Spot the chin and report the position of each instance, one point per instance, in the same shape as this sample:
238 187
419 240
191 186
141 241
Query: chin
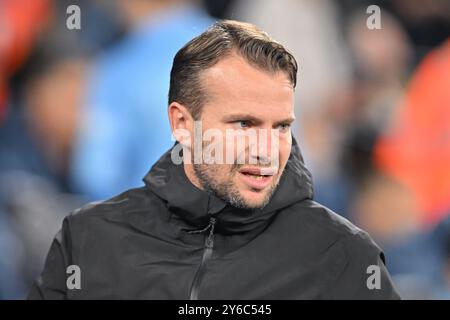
254 199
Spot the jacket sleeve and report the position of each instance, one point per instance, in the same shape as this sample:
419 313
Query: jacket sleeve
364 275
51 284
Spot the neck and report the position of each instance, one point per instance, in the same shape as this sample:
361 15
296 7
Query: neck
192 177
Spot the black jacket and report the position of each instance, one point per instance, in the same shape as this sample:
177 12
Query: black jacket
170 240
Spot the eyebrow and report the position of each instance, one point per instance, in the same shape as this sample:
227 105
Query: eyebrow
255 120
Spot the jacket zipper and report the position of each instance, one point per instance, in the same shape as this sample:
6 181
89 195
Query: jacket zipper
207 253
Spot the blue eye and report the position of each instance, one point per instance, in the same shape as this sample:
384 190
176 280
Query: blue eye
242 124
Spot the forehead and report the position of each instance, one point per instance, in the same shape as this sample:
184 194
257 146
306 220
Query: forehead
234 85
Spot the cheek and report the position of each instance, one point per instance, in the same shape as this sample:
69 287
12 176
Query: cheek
224 172
285 150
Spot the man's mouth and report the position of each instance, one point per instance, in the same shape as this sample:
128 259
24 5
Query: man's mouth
257 178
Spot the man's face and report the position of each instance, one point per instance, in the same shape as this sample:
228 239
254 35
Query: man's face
241 98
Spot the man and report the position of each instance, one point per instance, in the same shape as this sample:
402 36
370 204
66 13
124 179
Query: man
232 219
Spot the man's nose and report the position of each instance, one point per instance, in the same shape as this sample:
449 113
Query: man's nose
265 148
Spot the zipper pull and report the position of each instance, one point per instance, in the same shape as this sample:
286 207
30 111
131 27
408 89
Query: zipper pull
210 239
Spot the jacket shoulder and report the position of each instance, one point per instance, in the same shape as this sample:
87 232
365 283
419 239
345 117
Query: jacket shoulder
324 220
127 200
358 254
117 208
329 228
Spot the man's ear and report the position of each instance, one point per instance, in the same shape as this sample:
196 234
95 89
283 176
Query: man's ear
181 122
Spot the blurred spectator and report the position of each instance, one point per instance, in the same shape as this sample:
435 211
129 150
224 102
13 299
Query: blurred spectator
427 22
416 148
406 193
35 143
42 69
20 22
381 63
124 122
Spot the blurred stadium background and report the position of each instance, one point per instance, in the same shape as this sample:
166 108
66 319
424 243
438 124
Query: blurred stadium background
83 116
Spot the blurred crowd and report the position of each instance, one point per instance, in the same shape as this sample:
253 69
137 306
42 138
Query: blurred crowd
83 116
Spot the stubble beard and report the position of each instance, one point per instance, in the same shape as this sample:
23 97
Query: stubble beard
227 190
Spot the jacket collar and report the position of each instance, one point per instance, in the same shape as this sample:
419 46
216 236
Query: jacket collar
195 207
